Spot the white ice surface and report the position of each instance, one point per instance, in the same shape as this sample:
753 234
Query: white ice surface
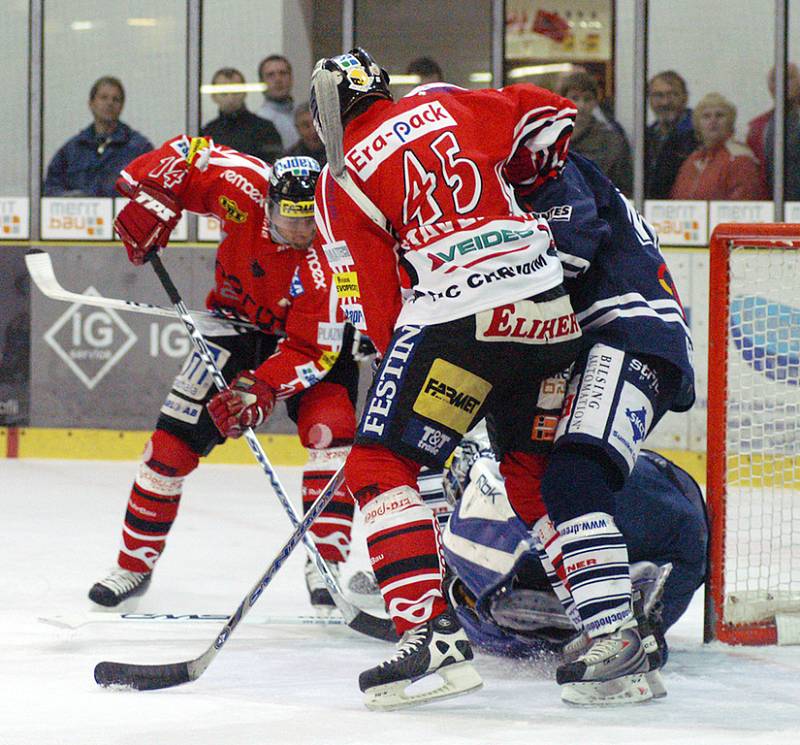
289 684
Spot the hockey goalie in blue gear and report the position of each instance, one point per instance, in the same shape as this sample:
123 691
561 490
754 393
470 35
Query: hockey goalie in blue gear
497 583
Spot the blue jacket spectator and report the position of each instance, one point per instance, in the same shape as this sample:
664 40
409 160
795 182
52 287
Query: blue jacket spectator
671 139
88 165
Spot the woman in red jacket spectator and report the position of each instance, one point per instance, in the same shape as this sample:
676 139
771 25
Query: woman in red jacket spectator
721 168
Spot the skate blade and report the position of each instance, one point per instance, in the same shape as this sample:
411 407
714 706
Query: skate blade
629 689
459 680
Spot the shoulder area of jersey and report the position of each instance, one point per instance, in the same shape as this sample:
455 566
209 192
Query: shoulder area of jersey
195 150
428 89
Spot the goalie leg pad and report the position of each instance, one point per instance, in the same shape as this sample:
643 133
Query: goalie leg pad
154 500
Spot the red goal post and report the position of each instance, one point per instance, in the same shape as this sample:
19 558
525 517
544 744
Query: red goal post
753 472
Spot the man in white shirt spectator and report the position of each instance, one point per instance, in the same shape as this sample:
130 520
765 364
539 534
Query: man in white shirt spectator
278 107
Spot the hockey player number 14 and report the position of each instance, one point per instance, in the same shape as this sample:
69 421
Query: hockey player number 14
460 174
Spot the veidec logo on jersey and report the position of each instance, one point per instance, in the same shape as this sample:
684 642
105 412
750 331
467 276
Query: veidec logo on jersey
480 242
365 157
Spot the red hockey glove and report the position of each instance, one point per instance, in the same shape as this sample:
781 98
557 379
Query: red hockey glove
246 403
146 222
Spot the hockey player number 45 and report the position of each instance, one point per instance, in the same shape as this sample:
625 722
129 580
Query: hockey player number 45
460 174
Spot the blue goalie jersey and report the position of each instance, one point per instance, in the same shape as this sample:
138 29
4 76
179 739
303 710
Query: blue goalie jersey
619 283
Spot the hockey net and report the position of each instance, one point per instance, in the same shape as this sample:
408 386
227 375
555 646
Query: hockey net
753 593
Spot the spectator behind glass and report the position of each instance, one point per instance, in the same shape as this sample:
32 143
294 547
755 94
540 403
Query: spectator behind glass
427 69
309 143
278 107
720 168
88 165
236 126
791 170
670 139
756 128
594 139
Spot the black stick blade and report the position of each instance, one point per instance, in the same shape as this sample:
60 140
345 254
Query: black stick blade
142 677
377 628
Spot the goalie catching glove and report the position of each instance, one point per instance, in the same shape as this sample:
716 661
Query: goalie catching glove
145 223
246 403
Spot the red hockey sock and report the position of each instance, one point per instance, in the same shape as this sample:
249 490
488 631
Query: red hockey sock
331 530
523 474
154 499
405 553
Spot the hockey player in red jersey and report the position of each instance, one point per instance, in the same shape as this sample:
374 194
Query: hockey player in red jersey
266 272
461 292
416 206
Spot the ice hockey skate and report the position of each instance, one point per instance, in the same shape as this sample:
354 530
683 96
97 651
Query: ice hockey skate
615 669
437 647
318 592
120 585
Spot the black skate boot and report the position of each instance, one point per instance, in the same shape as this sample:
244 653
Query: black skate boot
318 591
120 585
438 646
613 670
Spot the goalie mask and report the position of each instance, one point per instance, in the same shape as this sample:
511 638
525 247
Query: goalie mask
291 201
337 85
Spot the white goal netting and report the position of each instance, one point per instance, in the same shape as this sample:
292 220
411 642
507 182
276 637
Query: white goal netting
762 512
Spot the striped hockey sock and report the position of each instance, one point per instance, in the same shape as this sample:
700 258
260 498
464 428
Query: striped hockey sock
154 500
405 553
547 542
331 530
597 571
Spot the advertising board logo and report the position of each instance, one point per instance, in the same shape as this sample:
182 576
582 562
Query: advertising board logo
77 218
90 341
767 335
14 218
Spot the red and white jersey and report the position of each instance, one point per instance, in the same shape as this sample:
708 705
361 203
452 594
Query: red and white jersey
282 290
431 227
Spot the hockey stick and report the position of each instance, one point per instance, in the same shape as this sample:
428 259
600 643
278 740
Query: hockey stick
40 267
149 677
356 619
77 621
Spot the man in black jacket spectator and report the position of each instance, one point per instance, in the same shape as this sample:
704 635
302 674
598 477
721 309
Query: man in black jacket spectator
671 138
237 126
88 165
